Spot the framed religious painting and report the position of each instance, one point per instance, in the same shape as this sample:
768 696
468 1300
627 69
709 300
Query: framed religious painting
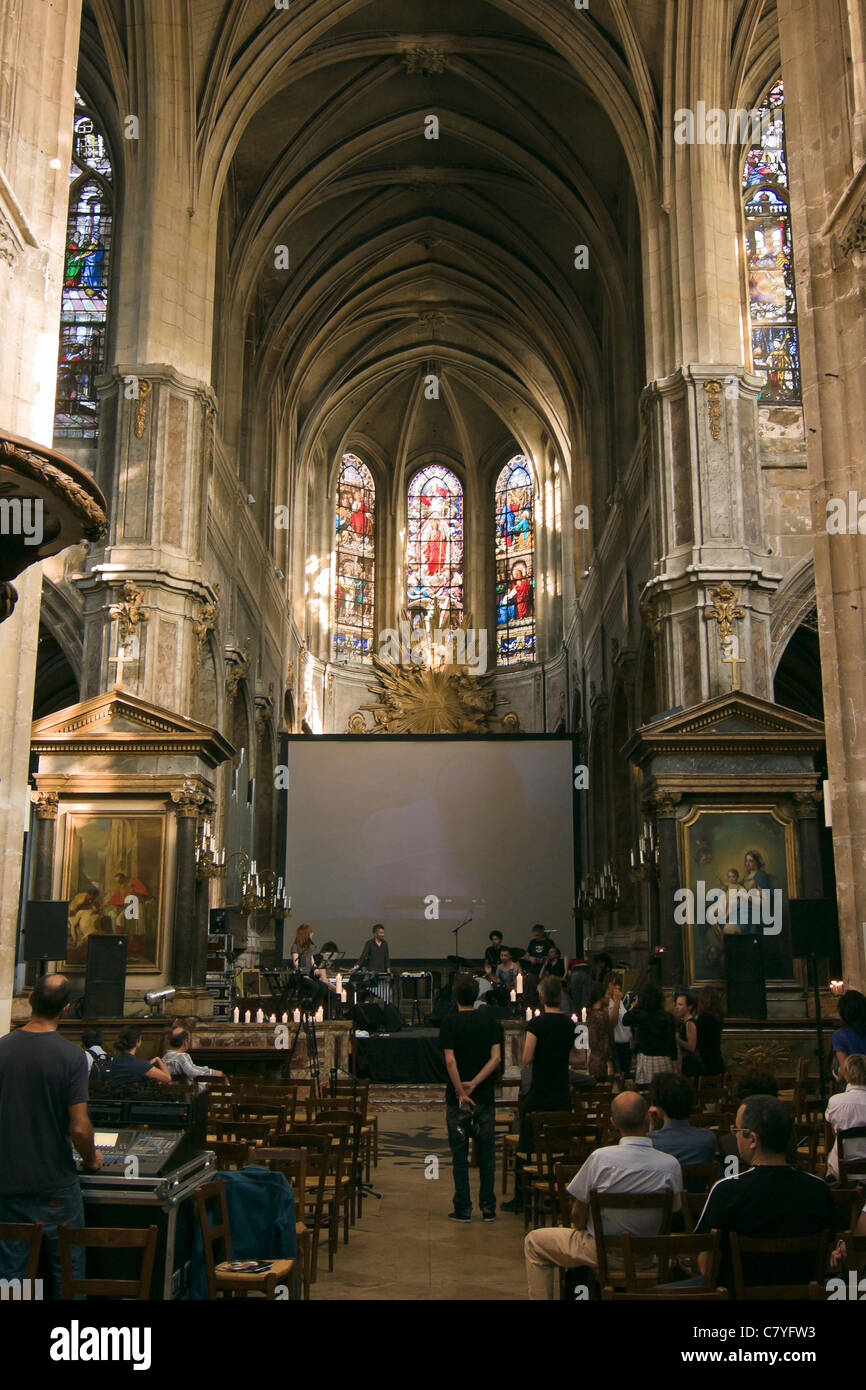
113 872
738 872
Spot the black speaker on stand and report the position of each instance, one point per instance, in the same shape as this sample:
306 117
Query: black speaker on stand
105 976
744 976
814 937
46 926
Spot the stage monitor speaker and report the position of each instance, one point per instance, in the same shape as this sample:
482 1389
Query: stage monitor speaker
46 928
105 978
744 973
814 928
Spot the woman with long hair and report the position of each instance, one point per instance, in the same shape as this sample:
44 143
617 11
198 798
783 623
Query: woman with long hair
127 1069
654 1034
685 1003
315 981
710 1020
600 1026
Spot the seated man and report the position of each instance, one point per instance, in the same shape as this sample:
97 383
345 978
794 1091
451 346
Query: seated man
769 1200
671 1103
632 1165
178 1062
506 970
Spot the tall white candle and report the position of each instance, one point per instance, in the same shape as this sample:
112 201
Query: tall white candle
260 1016
236 1016
519 983
285 1018
296 1016
583 1015
513 996
320 1015
247 1016
528 1015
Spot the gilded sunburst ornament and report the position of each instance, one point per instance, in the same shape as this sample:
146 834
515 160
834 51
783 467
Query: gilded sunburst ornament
420 700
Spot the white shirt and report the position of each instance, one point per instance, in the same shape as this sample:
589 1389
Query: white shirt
620 1034
632 1165
180 1064
847 1111
91 1053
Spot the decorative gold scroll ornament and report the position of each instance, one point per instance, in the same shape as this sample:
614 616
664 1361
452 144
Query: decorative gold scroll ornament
140 415
714 391
205 623
128 613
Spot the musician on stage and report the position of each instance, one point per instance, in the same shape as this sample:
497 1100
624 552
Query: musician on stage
375 956
315 980
533 959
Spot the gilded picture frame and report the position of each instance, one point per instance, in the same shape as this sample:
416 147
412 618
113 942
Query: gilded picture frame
733 847
114 874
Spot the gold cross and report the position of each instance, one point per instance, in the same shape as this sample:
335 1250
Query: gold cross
733 661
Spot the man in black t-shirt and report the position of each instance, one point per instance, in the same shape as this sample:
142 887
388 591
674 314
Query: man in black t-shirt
547 1049
493 954
533 959
769 1200
470 1039
43 1105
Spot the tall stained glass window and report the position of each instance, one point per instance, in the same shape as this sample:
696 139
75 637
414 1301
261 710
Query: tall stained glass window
84 304
355 569
770 258
434 558
515 569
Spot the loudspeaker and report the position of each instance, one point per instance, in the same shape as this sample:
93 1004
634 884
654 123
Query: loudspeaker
744 973
814 928
46 926
105 977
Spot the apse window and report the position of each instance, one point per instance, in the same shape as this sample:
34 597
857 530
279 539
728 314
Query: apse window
770 258
515 564
354 562
84 302
434 561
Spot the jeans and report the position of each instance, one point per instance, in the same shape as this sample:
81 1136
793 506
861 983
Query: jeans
64 1208
485 1144
623 1057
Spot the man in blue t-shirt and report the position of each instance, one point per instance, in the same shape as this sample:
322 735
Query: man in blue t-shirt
470 1039
43 1105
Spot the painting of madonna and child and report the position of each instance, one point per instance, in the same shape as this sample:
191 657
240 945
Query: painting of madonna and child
112 877
738 874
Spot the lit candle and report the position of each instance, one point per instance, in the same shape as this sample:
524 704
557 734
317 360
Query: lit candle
574 1018
272 1019
260 1016
528 1015
247 1016
285 1018
236 1016
583 1015
537 1013
339 984
296 1016
519 983
513 996
320 1014
344 998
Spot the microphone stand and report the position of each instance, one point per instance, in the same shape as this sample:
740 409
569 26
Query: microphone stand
455 932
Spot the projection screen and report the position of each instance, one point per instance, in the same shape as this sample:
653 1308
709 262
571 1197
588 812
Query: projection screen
394 831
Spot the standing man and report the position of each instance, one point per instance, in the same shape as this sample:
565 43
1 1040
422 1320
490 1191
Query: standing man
470 1041
43 1105
533 959
375 956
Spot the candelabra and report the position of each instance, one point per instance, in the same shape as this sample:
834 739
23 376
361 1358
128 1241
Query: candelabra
263 892
599 892
209 861
644 861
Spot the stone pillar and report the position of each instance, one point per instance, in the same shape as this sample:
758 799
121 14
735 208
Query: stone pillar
820 49
670 933
45 805
38 55
185 943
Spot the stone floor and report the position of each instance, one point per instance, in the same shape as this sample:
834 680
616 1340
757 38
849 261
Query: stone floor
405 1247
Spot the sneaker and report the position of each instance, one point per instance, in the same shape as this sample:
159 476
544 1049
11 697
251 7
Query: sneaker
488 1216
459 1216
514 1205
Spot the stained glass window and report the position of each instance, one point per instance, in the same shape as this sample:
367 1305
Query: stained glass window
355 567
84 303
770 258
515 570
435 547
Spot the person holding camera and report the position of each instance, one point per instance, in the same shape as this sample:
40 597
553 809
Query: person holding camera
470 1039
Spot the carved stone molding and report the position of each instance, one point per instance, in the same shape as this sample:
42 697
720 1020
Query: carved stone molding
205 623
664 804
356 723
424 62
239 668
83 498
806 804
188 799
45 805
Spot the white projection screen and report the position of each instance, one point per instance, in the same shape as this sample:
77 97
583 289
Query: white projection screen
378 826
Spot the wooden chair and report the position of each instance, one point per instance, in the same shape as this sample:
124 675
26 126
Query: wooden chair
693 1204
570 1143
564 1173
317 1147
354 1171
253 1132
509 1157
267 1110
27 1234
221 1278
815 1245
606 1245
664 1255
699 1177
337 1183
292 1163
850 1169
106 1238
848 1202
807 1137
229 1154
355 1095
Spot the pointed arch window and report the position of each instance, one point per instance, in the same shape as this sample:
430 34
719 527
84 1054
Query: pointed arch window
515 564
355 563
769 251
434 558
87 255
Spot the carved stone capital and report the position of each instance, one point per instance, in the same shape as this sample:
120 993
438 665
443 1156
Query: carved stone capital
664 804
188 799
45 805
806 804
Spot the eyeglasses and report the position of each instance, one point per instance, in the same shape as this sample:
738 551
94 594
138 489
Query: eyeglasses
735 1129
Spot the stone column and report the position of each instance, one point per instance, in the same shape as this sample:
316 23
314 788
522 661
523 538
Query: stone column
45 805
820 49
185 943
38 55
670 933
